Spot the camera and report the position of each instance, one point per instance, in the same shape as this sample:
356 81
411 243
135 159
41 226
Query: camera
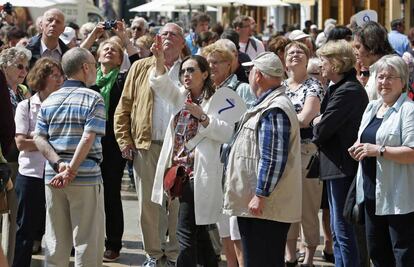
109 24
8 8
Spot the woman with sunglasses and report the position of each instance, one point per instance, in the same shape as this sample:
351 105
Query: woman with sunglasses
201 201
45 77
14 63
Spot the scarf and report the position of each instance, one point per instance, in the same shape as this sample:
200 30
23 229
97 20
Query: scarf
105 83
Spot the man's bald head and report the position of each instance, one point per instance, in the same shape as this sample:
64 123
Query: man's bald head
53 23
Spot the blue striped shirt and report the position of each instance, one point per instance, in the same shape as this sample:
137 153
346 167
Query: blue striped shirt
63 118
274 131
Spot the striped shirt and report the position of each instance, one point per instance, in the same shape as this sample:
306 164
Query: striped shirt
274 131
63 118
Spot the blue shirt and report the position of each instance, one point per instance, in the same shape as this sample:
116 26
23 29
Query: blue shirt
64 116
274 131
394 189
399 42
190 40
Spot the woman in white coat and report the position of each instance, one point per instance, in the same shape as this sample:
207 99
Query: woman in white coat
201 201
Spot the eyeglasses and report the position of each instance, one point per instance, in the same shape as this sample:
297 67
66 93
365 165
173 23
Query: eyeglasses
383 79
314 73
364 73
247 70
189 70
136 29
22 67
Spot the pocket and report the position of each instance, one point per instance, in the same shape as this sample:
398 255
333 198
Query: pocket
393 139
246 145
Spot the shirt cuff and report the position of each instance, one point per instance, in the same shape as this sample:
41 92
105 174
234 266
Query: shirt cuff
262 193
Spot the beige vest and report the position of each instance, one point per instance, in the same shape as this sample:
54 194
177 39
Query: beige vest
285 202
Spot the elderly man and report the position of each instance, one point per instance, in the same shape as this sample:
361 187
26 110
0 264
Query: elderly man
263 186
398 40
70 125
140 122
139 27
48 44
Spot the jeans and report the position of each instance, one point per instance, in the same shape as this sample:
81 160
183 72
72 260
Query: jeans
112 167
343 235
194 240
390 237
31 218
263 242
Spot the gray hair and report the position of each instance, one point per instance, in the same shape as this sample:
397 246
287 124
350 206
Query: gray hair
314 64
86 29
393 63
73 60
180 29
140 21
11 56
228 44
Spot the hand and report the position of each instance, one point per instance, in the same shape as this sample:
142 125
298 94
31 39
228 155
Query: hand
64 177
256 205
98 31
156 48
120 31
362 150
128 152
194 109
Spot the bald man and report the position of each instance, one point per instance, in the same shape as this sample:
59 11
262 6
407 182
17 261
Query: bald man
48 44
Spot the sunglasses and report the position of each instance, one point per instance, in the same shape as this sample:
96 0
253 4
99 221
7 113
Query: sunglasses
364 73
22 67
189 70
247 69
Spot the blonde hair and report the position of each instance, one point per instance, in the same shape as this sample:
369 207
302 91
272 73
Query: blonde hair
218 49
146 40
115 45
340 54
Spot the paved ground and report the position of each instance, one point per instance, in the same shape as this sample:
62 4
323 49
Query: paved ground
132 253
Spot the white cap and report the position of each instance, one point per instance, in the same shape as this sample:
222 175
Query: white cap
68 35
297 35
268 63
330 21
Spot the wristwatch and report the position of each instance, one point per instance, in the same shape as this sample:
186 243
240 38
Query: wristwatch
382 150
202 118
55 166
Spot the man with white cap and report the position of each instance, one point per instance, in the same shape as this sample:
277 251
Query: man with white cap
263 187
69 37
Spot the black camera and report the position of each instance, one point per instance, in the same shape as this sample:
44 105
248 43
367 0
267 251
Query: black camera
109 24
8 8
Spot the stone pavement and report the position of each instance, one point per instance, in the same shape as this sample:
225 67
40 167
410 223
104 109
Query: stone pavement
132 253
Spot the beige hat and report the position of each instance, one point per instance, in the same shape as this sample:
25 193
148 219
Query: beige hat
268 63
297 35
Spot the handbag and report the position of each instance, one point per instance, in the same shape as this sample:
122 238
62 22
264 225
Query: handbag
5 173
313 167
174 180
353 212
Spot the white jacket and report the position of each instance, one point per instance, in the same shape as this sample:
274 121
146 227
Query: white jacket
208 192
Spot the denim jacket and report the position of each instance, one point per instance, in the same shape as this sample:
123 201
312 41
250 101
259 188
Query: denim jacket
394 190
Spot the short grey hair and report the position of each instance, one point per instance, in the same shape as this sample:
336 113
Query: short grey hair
228 45
180 29
314 64
86 29
73 60
140 21
11 56
393 63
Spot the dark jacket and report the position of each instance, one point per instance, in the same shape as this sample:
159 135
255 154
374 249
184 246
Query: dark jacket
114 97
35 45
342 110
7 126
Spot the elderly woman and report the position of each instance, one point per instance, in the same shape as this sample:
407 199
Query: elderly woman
110 83
306 94
385 151
14 64
201 200
371 43
334 132
220 58
44 78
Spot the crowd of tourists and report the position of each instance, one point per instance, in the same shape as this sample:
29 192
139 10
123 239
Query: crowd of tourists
226 130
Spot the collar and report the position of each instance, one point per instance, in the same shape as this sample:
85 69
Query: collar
230 81
348 76
265 94
73 83
43 47
35 99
